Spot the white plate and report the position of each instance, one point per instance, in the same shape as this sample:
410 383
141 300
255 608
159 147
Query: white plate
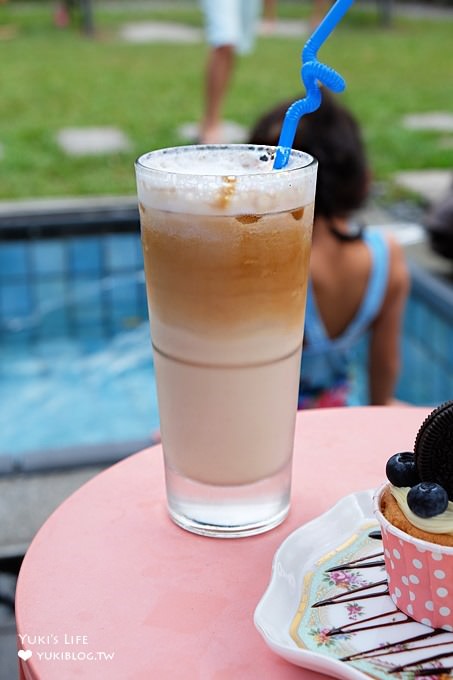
297 631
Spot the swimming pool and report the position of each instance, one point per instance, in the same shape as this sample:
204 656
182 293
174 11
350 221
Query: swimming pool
75 355
69 392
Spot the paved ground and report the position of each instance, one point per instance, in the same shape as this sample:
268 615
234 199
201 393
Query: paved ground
151 31
432 185
8 655
440 121
92 141
231 132
158 32
26 501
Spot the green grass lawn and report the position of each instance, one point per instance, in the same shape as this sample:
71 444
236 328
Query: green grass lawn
51 79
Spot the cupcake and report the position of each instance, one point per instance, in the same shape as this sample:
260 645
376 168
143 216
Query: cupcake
415 511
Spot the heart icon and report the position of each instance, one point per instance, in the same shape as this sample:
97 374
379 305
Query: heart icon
24 654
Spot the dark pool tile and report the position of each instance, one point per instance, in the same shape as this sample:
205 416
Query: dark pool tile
13 261
138 251
440 339
54 323
15 300
450 345
51 294
84 256
122 253
53 308
16 334
434 333
48 257
85 291
411 317
421 319
118 323
142 302
123 290
441 383
91 334
420 367
88 315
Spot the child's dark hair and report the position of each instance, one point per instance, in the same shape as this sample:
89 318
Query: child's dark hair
332 135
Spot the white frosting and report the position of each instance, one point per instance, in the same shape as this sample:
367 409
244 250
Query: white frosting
440 524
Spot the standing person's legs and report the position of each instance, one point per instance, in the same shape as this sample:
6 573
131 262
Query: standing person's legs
230 28
269 15
218 74
223 33
320 9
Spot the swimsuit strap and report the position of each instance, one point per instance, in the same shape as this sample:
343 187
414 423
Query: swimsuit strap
315 332
377 284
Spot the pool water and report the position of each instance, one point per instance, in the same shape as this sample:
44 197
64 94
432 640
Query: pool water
67 392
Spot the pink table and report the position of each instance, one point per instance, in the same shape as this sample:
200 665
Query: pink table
109 573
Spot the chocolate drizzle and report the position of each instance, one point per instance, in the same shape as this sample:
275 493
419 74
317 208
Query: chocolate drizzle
389 648
360 562
417 666
434 657
376 534
341 597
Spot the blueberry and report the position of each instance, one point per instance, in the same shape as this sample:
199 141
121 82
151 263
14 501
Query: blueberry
427 499
400 469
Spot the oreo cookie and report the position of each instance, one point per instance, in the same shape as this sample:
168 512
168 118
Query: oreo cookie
434 448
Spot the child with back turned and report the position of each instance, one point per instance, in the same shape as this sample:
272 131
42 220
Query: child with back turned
358 279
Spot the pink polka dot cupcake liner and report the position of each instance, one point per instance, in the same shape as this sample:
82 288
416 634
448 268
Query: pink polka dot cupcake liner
420 574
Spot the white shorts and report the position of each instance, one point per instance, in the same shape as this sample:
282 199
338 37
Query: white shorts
231 22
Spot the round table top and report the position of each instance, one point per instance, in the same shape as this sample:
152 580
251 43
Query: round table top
110 574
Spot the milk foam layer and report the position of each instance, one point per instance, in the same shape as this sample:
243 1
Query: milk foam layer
231 180
208 160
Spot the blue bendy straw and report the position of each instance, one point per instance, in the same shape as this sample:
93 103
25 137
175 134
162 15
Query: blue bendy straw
312 71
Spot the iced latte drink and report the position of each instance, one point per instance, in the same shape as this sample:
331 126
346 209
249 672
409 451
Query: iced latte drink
226 244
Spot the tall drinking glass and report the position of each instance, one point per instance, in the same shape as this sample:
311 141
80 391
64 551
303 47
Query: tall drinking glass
226 244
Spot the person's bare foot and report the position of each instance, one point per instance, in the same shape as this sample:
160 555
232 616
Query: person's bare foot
211 134
268 26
